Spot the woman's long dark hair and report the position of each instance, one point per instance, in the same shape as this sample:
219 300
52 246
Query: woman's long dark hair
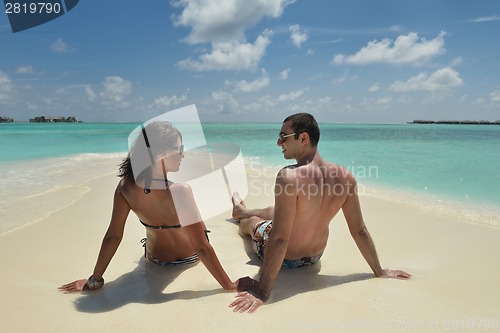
155 138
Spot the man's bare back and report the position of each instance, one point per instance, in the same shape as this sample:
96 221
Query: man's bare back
322 189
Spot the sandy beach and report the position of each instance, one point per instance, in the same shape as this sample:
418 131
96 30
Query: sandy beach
454 286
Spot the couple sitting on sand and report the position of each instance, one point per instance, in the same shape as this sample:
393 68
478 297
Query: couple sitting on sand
293 233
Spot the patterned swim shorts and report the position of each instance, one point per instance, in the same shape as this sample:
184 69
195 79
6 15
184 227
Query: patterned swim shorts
259 241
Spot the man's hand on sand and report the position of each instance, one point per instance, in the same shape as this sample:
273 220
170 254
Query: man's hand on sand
245 302
394 274
74 286
247 283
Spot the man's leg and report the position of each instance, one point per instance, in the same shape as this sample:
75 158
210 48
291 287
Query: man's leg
249 218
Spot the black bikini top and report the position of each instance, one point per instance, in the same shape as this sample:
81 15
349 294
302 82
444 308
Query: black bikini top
170 227
161 226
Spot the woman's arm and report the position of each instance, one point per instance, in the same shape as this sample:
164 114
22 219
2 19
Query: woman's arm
109 245
113 235
190 218
207 254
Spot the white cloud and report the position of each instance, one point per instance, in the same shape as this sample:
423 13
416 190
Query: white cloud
226 103
409 49
6 88
443 78
339 80
485 19
256 85
383 100
49 100
59 46
213 21
457 61
230 56
374 88
91 95
263 104
479 101
31 106
324 101
343 78
25 70
495 96
298 36
290 96
222 23
116 89
168 101
284 74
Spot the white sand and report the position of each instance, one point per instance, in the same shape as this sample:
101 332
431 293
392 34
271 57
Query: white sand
455 284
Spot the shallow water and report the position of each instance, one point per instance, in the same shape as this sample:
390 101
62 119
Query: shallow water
445 169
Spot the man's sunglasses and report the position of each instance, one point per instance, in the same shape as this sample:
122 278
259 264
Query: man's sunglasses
282 137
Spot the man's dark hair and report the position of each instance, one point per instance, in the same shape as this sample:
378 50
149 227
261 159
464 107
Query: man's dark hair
159 137
304 122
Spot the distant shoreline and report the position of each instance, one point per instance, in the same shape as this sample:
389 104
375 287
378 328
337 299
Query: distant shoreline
456 122
41 119
425 122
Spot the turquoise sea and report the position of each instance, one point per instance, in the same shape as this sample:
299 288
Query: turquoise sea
445 169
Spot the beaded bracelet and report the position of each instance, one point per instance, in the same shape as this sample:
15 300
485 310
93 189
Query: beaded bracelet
94 284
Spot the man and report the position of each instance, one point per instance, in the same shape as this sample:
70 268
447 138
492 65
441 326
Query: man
307 197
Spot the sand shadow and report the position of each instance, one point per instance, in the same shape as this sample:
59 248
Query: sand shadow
291 282
294 281
145 284
253 260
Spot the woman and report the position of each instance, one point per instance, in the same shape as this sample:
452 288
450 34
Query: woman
175 230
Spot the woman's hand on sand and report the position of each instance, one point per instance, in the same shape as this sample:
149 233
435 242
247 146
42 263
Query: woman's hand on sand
74 286
233 286
395 274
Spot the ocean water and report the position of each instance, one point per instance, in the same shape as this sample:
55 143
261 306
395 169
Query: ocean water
445 169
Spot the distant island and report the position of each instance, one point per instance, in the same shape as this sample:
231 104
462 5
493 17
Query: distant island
42 119
456 122
6 120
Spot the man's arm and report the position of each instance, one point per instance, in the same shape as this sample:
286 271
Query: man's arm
277 244
360 234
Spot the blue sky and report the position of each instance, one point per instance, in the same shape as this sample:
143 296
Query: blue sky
358 61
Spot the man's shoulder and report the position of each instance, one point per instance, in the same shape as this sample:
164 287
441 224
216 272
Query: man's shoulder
318 169
294 171
314 170
333 170
287 173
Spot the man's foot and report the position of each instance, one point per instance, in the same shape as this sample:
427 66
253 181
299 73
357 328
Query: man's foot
238 206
